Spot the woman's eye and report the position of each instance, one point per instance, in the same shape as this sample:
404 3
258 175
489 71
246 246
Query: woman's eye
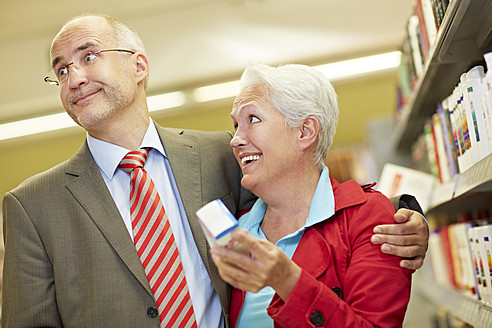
253 119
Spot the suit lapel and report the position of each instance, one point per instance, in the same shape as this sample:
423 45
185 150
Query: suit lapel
89 189
184 156
182 152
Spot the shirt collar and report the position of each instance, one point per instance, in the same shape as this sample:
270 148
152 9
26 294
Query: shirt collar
322 206
108 156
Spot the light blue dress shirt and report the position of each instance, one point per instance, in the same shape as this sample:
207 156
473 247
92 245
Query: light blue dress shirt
253 312
205 300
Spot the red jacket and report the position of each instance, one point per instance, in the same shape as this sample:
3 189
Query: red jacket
346 281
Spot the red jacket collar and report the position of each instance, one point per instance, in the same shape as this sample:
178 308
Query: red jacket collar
346 195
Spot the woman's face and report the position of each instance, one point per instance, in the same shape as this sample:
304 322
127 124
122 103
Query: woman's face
264 146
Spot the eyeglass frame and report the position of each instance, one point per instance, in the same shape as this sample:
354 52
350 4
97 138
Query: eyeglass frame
50 81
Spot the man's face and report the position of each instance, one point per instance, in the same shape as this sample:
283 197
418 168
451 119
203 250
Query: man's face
92 94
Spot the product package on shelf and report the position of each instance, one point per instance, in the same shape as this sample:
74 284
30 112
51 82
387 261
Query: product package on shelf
432 153
449 145
415 45
456 250
396 179
486 96
487 260
439 260
422 28
460 258
420 160
459 134
406 77
467 278
475 110
439 8
478 235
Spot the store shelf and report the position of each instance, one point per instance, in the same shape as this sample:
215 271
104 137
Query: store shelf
465 191
464 307
443 193
464 35
477 178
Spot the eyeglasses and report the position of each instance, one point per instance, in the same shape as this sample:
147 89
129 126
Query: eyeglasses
58 75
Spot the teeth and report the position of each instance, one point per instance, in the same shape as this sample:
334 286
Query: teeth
250 158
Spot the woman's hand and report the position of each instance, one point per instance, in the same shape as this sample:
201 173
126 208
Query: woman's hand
263 264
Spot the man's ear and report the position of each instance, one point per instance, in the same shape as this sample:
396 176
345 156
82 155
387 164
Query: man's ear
309 131
142 66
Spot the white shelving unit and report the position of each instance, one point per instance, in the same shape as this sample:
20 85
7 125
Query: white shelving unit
465 308
466 190
464 36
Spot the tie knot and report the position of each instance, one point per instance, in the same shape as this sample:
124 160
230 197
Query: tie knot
134 159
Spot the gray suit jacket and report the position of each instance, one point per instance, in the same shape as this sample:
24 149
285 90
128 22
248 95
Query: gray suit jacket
69 260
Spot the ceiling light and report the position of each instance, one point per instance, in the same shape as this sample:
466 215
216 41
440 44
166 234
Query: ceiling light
360 66
35 125
334 71
62 120
216 91
166 101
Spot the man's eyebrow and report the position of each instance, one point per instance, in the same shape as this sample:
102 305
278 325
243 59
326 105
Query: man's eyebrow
78 49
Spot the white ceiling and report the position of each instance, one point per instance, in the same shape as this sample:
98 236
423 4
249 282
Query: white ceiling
193 42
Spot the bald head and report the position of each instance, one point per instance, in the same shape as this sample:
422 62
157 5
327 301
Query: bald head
111 30
103 31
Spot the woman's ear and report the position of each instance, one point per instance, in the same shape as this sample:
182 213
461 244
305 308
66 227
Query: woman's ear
309 131
142 66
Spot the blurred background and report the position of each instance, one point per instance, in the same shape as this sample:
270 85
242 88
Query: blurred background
192 44
197 43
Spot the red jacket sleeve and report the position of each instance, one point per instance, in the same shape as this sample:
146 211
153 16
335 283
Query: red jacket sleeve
375 289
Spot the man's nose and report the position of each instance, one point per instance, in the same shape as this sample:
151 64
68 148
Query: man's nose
76 76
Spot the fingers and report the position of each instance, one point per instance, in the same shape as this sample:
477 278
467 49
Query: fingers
412 264
264 265
256 247
403 215
407 239
251 270
234 268
414 225
408 252
398 240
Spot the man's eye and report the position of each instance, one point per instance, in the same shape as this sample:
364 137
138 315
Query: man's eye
63 71
89 58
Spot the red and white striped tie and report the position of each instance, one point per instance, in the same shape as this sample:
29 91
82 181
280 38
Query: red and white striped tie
154 241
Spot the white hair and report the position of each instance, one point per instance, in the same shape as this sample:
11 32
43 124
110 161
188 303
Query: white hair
298 91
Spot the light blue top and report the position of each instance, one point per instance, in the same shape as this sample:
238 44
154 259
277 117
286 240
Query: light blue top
322 208
205 300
